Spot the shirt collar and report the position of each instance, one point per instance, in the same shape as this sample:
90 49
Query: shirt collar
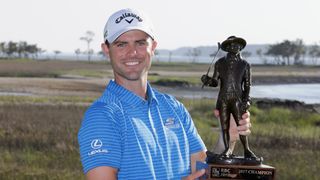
129 97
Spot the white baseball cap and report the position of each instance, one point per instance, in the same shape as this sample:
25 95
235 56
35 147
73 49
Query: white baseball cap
125 20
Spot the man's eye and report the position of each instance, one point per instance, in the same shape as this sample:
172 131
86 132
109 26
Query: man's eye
120 45
141 43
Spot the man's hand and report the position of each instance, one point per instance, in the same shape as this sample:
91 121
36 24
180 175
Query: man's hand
244 124
195 175
242 129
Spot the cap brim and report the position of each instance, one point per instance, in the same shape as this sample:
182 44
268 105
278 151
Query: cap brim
115 36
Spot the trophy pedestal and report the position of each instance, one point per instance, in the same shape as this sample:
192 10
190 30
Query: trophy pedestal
235 167
261 172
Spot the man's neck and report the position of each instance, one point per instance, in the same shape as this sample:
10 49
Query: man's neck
138 87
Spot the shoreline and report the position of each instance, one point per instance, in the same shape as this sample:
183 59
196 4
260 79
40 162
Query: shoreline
274 80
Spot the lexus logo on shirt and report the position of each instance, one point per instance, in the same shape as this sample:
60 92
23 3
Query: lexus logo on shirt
96 144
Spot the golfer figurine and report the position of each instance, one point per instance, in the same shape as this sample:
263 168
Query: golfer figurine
234 75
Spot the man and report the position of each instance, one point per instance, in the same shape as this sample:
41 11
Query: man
133 131
235 76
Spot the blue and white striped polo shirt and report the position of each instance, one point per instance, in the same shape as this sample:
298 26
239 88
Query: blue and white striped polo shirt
150 139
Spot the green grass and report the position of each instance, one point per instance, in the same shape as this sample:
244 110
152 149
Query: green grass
288 117
39 141
51 68
33 164
45 99
88 73
189 81
38 137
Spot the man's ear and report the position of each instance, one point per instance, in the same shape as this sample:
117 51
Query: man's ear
154 46
105 49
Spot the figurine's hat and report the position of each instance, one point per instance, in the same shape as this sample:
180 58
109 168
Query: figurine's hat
231 39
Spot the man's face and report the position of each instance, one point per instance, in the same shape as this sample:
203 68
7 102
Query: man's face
130 55
234 47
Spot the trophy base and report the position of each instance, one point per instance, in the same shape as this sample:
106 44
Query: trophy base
232 160
235 167
261 172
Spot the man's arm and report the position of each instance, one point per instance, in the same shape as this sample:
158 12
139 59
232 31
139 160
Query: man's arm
102 173
100 156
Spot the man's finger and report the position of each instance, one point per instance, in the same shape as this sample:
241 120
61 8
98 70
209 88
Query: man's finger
244 126
244 121
246 115
216 113
245 133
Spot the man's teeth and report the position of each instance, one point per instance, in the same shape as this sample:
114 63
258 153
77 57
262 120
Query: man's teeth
131 63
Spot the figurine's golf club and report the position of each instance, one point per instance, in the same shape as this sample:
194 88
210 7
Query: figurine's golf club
219 46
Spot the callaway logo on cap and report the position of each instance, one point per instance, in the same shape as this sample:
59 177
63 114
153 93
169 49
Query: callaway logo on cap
126 20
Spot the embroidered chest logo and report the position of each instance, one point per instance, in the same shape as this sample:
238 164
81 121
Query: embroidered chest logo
171 123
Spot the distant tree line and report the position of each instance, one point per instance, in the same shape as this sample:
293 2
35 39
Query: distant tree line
291 52
284 53
19 49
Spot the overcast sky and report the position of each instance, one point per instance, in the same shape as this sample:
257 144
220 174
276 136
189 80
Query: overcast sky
58 24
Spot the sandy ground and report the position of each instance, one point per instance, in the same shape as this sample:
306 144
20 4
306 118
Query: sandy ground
71 87
53 86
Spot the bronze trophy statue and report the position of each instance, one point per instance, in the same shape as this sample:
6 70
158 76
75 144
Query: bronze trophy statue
234 75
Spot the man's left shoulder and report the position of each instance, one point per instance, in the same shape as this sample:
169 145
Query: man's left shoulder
164 96
167 98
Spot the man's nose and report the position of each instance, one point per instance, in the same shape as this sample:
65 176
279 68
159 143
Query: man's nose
132 51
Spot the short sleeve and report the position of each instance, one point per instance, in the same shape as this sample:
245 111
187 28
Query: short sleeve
99 138
195 142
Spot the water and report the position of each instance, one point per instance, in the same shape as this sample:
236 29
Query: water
208 59
308 93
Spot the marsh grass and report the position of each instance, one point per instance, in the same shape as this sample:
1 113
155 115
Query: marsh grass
39 141
179 81
38 137
45 99
54 69
87 73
